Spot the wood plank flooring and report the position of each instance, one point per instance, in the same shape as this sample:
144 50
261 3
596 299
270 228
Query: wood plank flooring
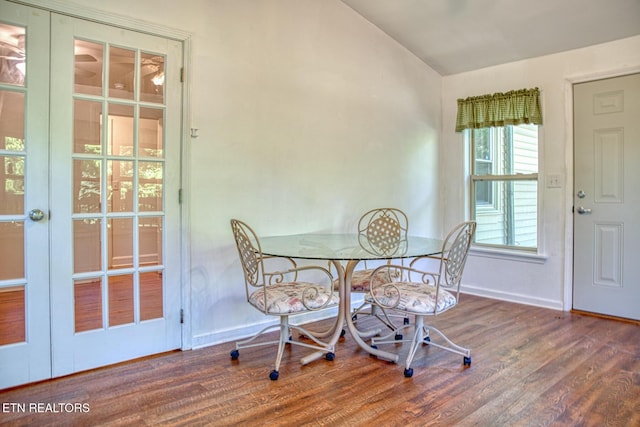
530 367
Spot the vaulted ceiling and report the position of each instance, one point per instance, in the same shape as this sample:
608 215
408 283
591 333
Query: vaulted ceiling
454 36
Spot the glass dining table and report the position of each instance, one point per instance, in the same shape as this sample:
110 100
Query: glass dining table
345 251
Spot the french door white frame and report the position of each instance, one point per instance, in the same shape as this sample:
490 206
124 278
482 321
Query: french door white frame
63 7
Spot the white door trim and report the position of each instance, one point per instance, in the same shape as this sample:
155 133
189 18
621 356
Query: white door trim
569 148
126 22
123 21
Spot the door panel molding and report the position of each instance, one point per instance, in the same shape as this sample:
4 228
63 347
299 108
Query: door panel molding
607 262
609 165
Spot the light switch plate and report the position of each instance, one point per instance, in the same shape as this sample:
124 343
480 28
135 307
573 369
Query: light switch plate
554 181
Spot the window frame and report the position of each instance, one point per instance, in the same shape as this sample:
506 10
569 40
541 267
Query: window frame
492 161
496 207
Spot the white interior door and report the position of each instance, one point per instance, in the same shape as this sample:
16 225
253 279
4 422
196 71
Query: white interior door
115 194
607 198
24 243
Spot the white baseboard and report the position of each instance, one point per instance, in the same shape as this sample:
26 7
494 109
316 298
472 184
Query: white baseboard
233 334
512 297
228 335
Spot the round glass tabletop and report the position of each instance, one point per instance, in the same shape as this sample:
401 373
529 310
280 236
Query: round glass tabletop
347 246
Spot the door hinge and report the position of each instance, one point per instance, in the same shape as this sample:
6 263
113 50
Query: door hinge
182 75
180 196
182 315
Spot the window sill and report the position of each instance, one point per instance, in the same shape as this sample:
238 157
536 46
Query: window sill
506 254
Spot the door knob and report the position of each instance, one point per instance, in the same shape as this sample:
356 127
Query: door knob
582 210
36 215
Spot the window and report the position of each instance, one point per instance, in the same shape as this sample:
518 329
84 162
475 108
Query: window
504 185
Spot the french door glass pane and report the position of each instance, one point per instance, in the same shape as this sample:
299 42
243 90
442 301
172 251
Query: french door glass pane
87 177
150 132
86 127
150 237
12 315
120 300
12 250
12 55
12 190
151 78
88 67
11 120
151 295
120 141
121 72
120 231
150 186
87 245
120 190
12 163
87 297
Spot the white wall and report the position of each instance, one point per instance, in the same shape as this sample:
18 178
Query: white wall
546 280
308 115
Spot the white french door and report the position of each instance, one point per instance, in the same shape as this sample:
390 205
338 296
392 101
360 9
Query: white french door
25 354
100 278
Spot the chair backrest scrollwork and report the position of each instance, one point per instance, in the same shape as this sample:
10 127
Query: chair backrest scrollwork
249 251
456 246
383 231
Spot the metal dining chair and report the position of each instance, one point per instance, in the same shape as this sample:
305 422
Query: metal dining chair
425 293
280 293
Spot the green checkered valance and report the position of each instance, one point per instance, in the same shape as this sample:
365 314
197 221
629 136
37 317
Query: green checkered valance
510 108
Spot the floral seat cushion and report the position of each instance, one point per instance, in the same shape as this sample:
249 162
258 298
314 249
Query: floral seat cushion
286 298
361 279
414 298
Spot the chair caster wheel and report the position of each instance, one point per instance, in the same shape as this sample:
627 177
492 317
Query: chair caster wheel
374 346
234 354
408 372
330 356
273 375
398 337
405 321
466 361
343 333
427 340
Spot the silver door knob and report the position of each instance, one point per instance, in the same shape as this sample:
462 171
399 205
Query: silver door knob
36 215
582 210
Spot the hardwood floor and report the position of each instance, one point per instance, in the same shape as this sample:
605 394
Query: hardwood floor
530 367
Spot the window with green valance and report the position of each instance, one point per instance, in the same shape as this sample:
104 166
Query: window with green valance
500 109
